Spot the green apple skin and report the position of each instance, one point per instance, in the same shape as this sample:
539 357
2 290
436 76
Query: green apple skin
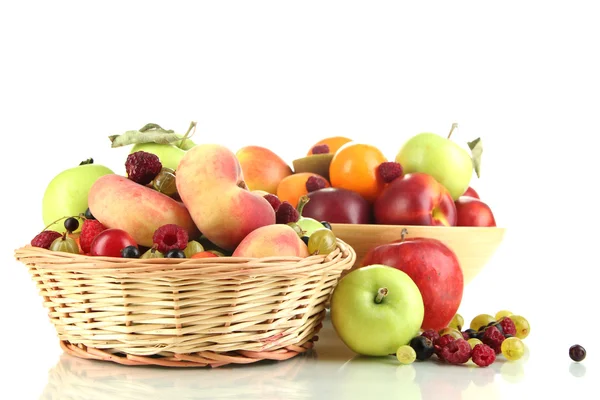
168 154
376 329
67 194
446 161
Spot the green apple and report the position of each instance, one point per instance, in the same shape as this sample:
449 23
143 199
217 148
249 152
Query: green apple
66 195
440 157
376 309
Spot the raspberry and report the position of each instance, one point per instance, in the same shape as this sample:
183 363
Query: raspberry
320 149
44 239
493 338
441 343
483 355
142 167
508 326
286 213
389 170
315 183
170 236
431 334
273 200
89 230
456 352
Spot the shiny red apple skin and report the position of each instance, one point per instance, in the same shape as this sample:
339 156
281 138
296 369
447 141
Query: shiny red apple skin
471 193
434 268
337 205
473 212
415 199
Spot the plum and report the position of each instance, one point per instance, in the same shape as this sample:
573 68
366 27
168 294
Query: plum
337 205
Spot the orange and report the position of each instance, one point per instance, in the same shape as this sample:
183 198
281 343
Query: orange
204 254
292 187
354 167
334 143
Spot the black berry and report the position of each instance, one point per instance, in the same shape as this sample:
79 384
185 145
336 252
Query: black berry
326 224
472 333
88 214
130 252
577 353
422 346
175 253
305 239
71 224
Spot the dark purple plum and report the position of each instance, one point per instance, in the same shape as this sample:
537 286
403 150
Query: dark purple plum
337 205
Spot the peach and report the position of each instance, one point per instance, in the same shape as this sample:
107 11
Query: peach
119 202
210 184
262 168
277 240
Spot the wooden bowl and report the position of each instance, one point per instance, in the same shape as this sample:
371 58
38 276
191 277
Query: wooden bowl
473 246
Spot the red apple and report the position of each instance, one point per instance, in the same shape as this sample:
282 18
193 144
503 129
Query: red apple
471 193
473 212
434 268
337 205
415 199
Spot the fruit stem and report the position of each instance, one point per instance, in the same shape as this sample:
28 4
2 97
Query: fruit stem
187 134
86 162
403 234
53 222
454 126
381 293
301 203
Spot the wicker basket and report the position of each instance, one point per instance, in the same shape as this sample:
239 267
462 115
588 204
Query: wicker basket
185 312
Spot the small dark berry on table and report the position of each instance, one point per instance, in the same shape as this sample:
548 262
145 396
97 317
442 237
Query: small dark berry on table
577 353
422 346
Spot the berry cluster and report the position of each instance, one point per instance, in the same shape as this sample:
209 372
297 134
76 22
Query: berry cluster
486 338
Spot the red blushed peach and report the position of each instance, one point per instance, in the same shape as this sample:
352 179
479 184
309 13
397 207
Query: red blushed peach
210 184
119 202
262 169
272 241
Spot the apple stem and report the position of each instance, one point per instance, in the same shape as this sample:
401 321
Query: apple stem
86 162
381 293
403 234
242 184
187 134
301 203
454 126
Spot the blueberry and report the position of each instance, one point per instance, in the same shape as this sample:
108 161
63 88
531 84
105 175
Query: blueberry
71 224
175 253
88 214
326 224
305 239
130 252
422 346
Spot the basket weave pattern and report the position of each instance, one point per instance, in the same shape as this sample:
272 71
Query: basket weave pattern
185 312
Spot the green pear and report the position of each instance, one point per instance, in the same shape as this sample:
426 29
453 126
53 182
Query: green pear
67 193
440 157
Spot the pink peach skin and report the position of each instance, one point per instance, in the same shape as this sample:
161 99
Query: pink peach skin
262 168
119 202
272 240
210 184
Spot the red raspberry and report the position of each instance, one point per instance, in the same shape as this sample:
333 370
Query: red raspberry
273 200
493 338
170 236
315 183
286 213
44 239
142 167
431 334
320 149
441 343
508 326
483 355
456 352
389 170
89 230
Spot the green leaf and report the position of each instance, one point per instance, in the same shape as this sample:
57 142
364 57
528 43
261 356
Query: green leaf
149 133
476 150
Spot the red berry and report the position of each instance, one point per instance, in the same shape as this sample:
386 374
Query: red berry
44 239
483 355
110 242
89 230
315 183
389 170
273 200
493 338
457 351
508 326
320 149
286 213
170 236
142 167
441 343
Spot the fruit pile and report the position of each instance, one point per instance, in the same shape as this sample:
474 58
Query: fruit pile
352 182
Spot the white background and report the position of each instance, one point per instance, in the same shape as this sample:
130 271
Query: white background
523 76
